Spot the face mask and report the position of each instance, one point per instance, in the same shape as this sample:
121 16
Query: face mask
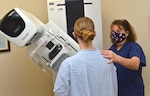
118 37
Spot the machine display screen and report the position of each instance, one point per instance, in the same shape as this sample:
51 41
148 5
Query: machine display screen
12 24
74 10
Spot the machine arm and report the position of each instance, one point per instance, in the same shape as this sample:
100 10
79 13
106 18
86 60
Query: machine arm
47 44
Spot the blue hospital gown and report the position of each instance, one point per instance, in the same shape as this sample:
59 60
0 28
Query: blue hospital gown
86 74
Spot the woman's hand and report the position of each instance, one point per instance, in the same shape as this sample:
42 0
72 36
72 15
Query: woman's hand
131 63
110 55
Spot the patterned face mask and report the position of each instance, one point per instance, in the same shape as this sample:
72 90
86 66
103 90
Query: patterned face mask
118 37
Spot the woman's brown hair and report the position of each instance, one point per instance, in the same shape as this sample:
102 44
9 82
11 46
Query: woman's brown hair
127 27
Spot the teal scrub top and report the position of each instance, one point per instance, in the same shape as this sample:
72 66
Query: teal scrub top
130 82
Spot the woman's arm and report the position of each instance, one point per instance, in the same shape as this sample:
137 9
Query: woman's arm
131 63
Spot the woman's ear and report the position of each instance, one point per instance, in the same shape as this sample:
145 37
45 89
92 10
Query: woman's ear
127 33
74 34
94 33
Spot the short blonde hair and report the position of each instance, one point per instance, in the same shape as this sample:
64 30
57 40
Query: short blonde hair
84 29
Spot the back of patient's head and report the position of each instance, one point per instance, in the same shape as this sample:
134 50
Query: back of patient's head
84 28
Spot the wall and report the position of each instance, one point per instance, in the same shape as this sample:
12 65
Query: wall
137 12
19 75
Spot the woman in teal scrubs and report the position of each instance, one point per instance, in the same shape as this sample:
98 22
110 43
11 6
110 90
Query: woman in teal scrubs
128 57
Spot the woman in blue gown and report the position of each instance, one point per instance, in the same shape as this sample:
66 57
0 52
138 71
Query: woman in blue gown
87 72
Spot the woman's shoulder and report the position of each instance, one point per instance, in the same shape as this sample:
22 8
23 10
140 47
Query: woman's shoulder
70 59
133 44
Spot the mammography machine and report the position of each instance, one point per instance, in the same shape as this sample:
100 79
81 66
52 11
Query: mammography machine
70 10
47 45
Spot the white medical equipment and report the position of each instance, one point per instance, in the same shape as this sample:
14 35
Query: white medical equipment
47 45
70 10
